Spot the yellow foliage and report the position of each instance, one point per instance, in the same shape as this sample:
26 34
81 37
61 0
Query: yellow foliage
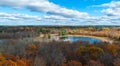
32 46
2 58
95 51
82 49
92 51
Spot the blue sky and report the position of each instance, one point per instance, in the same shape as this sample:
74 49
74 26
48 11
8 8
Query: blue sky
82 5
60 12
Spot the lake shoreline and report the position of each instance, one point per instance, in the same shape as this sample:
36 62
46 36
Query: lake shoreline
104 39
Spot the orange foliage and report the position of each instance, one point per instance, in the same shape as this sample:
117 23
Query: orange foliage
72 63
116 62
32 49
112 49
9 56
10 60
94 63
8 63
22 62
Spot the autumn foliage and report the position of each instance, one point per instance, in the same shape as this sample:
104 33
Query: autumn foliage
60 54
72 63
113 49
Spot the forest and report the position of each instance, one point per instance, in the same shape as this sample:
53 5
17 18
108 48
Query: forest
16 53
16 50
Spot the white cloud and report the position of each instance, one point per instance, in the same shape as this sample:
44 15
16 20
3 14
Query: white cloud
56 15
112 4
15 17
23 19
113 8
110 9
43 6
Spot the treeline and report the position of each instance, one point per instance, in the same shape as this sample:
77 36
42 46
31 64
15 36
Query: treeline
19 53
17 32
17 35
112 33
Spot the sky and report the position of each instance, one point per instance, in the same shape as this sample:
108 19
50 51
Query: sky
59 12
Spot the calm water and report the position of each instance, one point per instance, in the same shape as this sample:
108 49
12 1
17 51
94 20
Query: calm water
74 39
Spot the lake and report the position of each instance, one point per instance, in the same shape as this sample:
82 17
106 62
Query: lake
70 38
74 39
